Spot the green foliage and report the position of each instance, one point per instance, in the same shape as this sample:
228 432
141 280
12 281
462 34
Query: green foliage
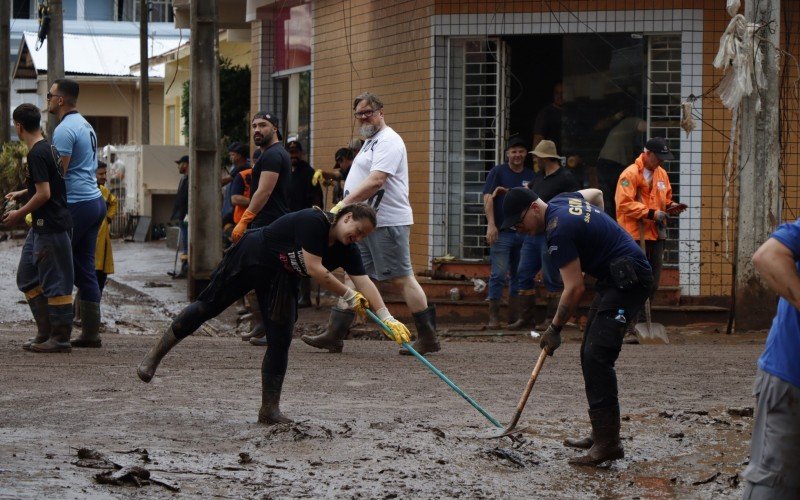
12 170
234 102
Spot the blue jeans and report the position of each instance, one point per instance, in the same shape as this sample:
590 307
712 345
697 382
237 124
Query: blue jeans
504 255
46 261
534 258
86 219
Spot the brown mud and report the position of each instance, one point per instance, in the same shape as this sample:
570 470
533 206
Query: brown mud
368 422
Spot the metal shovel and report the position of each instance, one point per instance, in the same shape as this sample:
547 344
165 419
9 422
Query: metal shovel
524 399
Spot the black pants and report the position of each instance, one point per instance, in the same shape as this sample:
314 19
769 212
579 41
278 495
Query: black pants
230 282
602 340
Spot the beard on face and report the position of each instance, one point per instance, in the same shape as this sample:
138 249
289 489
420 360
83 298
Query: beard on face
368 130
264 139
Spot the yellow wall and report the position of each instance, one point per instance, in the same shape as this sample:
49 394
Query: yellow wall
178 71
107 97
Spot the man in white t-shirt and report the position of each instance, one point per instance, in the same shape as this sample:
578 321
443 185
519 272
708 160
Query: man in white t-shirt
379 177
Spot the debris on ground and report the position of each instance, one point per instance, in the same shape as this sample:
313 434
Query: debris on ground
745 411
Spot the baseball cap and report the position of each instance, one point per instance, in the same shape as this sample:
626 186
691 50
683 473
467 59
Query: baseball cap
516 142
266 115
659 147
517 200
182 159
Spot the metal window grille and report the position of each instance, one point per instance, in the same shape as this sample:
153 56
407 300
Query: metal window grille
477 123
663 103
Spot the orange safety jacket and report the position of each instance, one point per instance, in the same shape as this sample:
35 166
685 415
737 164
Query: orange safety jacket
238 211
637 200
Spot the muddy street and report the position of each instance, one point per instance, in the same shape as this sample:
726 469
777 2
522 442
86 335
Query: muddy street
368 422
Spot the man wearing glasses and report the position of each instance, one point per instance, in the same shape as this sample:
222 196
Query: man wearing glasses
379 177
77 144
582 238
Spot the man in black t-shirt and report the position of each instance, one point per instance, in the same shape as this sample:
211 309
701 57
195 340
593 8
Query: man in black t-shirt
45 272
269 196
582 238
271 259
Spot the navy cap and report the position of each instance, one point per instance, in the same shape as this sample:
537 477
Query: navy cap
515 203
515 142
659 147
183 159
266 115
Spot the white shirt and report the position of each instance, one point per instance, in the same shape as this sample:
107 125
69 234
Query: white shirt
385 152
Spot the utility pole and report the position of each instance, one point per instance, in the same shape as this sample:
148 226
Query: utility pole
55 54
5 67
205 242
144 77
759 180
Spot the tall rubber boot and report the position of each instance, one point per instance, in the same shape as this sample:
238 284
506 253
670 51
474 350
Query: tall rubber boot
147 368
270 412
338 328
38 307
607 445
527 316
256 325
426 342
304 299
494 314
60 318
90 325
513 309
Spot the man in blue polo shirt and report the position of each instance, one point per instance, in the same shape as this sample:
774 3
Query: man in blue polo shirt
76 142
582 238
775 446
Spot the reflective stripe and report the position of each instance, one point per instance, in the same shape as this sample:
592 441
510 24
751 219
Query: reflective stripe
34 292
60 300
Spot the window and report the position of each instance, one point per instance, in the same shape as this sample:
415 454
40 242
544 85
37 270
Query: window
110 129
160 11
98 10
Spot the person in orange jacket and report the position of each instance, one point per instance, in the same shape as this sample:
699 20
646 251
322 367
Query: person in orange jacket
644 201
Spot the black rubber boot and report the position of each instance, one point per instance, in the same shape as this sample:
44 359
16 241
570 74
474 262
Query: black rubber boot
527 316
304 299
270 411
494 314
60 330
182 273
338 328
90 325
426 342
607 445
583 443
147 368
38 307
76 310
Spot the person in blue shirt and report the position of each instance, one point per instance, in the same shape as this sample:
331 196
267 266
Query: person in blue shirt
775 445
505 245
76 142
581 238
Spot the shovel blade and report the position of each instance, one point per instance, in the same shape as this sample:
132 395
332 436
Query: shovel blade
652 333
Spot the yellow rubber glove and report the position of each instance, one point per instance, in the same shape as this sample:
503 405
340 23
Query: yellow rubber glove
337 207
241 227
399 330
317 177
29 220
356 301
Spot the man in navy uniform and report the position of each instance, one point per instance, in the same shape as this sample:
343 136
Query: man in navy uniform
581 238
